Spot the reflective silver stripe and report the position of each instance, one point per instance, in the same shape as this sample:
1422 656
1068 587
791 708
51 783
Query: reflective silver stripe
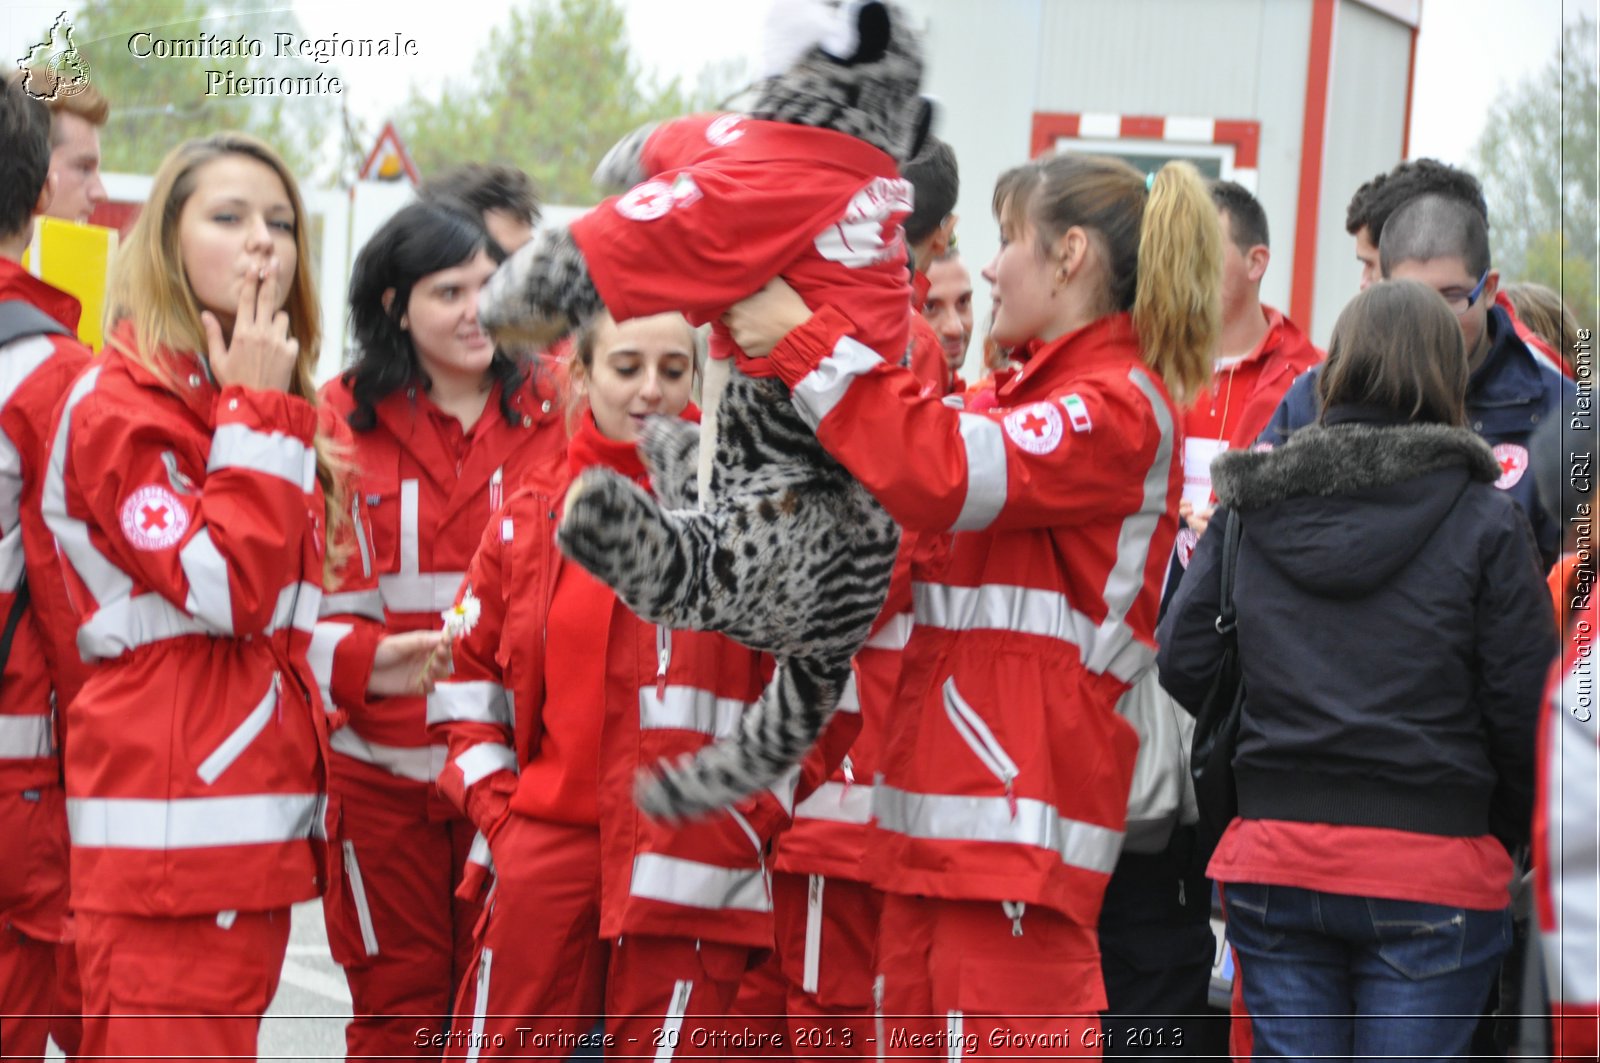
659 877
477 701
104 580
361 535
689 709
893 635
849 697
358 893
366 604
985 444
480 1003
952 817
192 822
672 1023
425 592
821 389
26 737
410 537
815 886
483 760
18 361
325 639
479 853
208 600
954 1041
837 802
125 623
298 606
1115 639
417 763
238 446
1030 611
248 731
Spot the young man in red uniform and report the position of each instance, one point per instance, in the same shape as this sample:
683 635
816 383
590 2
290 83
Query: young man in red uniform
39 357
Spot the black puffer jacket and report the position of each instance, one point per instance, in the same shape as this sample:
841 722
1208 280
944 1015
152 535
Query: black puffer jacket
1394 627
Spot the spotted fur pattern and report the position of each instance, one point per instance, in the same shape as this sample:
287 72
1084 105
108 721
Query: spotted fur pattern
788 554
792 557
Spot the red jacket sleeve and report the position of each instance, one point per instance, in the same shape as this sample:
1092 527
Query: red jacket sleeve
27 423
472 709
243 515
971 471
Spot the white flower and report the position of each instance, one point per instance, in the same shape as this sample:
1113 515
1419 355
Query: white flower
462 617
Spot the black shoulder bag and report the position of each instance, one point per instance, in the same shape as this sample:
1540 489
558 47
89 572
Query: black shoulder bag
1216 729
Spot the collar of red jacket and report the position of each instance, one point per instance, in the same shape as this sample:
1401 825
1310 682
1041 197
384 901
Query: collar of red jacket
189 377
589 447
18 283
1105 341
1281 333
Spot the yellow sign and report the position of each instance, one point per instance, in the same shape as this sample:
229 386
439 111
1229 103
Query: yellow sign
77 259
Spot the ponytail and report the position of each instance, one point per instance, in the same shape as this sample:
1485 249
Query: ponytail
1177 303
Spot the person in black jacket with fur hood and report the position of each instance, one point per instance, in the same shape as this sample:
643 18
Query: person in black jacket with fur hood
1395 632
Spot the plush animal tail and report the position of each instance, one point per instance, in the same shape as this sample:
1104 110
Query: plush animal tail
772 737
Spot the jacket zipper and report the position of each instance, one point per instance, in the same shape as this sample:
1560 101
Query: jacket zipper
970 726
663 659
361 536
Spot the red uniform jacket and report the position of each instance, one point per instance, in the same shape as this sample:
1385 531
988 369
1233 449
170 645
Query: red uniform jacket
426 504
738 201
1566 859
516 748
35 373
1242 397
192 527
1006 777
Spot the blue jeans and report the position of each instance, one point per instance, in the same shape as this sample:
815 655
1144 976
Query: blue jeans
1327 974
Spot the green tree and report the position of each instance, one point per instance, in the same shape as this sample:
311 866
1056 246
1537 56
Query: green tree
1536 158
157 102
556 88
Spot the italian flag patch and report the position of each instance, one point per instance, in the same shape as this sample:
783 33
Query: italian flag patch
1077 413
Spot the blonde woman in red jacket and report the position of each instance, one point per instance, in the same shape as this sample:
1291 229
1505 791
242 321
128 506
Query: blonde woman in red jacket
559 695
193 503
1005 776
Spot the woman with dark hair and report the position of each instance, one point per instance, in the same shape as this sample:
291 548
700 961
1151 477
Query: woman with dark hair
1394 632
445 426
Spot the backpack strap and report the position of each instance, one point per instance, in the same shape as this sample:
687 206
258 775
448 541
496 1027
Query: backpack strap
1227 616
19 320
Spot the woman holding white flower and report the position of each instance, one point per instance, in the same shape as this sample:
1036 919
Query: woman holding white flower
443 426
558 697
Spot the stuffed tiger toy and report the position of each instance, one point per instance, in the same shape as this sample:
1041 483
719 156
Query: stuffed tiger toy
786 553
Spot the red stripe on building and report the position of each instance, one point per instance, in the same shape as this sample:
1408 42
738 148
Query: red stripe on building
1319 70
1047 129
1143 127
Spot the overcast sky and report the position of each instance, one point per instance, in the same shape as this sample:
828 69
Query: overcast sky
1469 51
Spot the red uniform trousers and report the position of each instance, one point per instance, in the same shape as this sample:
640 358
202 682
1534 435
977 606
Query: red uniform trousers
971 978
543 977
39 994
401 934
817 986
178 987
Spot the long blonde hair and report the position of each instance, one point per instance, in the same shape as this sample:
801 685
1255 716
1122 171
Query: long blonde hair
150 289
1163 248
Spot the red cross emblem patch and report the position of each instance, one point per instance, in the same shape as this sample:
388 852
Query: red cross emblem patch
1035 428
1513 463
153 518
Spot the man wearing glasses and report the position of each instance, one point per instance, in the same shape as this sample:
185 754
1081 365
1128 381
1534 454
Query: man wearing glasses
1443 242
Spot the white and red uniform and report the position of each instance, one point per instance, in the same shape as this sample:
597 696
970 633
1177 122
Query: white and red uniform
1004 783
192 526
428 489
42 671
559 696
737 201
1566 857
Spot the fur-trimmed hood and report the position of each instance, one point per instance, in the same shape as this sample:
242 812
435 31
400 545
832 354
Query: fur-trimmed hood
1340 509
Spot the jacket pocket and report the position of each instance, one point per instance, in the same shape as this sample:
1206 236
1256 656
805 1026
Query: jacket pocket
247 732
976 734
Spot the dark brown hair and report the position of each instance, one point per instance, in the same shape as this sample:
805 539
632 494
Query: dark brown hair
1397 346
